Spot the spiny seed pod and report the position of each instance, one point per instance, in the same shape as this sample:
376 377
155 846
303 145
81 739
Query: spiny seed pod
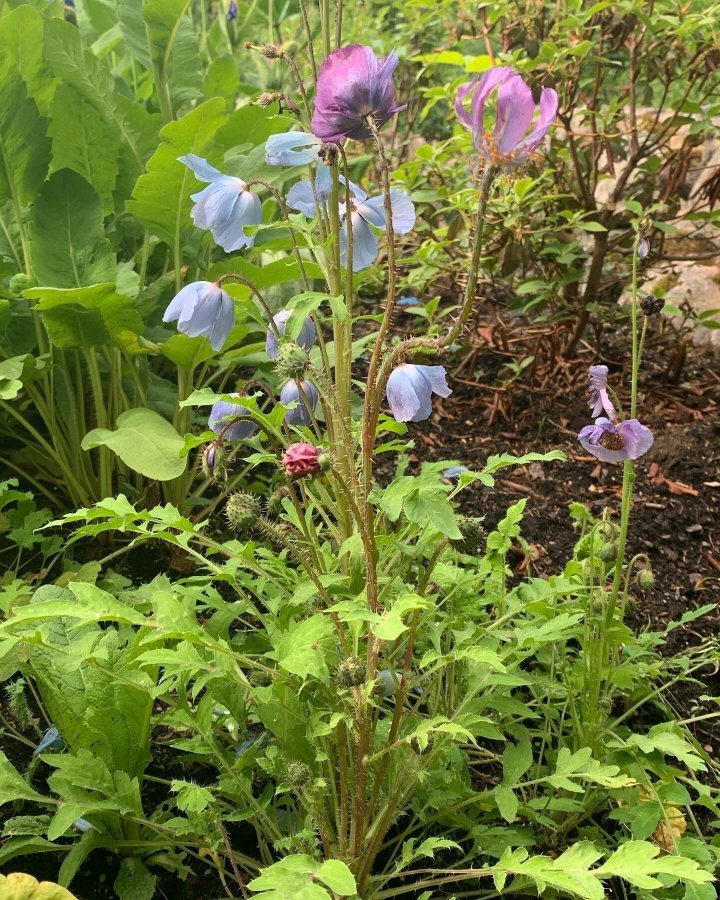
473 534
21 282
212 461
422 751
351 672
266 98
608 552
291 362
599 601
243 511
270 51
275 501
646 579
650 305
299 775
609 530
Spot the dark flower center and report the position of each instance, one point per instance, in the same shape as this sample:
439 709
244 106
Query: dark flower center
611 440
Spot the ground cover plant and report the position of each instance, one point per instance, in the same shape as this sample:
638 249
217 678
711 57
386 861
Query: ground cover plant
244 260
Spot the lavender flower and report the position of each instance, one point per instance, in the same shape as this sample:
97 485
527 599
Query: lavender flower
293 148
599 400
364 212
510 144
301 414
305 339
225 207
232 11
353 84
230 421
410 388
615 443
202 308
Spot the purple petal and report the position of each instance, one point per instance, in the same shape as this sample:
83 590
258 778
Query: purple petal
515 108
548 112
638 439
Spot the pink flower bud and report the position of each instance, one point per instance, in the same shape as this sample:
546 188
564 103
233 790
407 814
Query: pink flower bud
301 460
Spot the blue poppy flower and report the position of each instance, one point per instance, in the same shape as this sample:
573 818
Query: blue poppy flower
454 472
294 148
232 11
83 826
51 740
230 421
410 388
225 207
202 308
305 339
301 414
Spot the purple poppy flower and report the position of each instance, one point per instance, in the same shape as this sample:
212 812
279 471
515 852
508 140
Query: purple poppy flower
229 420
305 339
616 443
293 148
352 85
510 144
364 212
599 401
202 308
410 388
225 207
290 393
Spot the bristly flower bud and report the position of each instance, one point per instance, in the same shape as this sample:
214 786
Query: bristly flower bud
301 460
266 98
243 511
351 672
212 462
422 751
608 552
299 775
646 579
473 534
650 305
275 501
270 51
292 362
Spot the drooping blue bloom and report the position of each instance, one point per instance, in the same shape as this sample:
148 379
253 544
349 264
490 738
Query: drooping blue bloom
408 300
410 388
225 207
257 742
363 213
293 148
290 393
454 472
232 11
51 740
84 826
230 420
612 442
305 339
203 309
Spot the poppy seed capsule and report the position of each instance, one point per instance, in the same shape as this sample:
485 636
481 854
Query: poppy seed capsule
473 534
650 305
299 775
275 501
351 672
242 511
291 362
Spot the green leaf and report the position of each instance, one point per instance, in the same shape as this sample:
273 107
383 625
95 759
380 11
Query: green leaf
517 759
85 140
638 863
134 882
145 442
13 786
664 739
88 317
507 802
67 236
18 886
161 199
302 648
296 876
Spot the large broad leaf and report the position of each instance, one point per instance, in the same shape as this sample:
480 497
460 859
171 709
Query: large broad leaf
145 442
24 145
161 199
88 316
13 786
18 886
21 42
68 241
85 140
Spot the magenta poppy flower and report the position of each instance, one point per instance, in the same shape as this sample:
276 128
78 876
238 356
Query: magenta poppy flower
616 443
410 388
599 401
514 136
352 85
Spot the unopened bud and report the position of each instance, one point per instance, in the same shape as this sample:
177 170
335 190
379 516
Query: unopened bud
21 282
351 672
243 511
646 579
301 460
212 462
275 501
651 305
608 552
473 534
299 775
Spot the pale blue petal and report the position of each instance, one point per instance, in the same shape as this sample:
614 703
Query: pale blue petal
436 377
224 322
294 148
188 295
230 235
365 244
403 211
214 205
402 396
301 197
203 170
